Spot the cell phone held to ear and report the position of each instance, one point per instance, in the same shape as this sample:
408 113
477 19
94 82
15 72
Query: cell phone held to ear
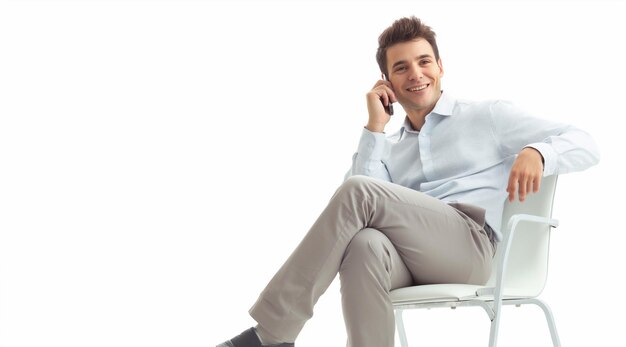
389 107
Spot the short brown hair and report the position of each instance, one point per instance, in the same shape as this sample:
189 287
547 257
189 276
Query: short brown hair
403 30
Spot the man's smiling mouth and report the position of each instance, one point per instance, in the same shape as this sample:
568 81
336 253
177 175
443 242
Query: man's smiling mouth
418 88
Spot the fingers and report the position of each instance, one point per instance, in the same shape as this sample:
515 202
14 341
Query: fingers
537 184
385 91
385 98
513 185
523 183
379 97
526 174
511 188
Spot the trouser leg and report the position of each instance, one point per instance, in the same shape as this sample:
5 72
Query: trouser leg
437 243
371 267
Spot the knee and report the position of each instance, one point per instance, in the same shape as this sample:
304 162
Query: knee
369 247
357 183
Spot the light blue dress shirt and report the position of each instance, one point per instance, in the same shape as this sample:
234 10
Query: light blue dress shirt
465 150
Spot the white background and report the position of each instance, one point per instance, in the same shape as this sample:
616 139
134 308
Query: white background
160 160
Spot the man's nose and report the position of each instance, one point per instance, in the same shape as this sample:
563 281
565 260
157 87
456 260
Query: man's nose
415 73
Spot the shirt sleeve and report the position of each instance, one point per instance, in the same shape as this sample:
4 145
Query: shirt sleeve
369 160
564 147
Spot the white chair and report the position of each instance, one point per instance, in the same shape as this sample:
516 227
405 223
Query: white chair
519 274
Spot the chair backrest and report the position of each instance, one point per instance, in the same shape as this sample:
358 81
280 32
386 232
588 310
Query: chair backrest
527 266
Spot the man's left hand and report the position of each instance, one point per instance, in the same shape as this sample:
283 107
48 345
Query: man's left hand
526 174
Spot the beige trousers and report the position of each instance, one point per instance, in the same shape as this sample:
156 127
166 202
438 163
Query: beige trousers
378 236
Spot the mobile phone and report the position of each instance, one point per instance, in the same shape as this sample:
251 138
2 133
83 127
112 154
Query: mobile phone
389 107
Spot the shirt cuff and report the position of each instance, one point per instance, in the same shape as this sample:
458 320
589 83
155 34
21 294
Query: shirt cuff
549 157
372 145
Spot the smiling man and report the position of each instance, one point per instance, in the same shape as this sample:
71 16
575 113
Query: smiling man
421 206
416 69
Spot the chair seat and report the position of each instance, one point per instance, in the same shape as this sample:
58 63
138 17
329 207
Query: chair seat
433 293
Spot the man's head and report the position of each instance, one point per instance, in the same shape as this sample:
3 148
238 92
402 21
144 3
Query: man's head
409 57
403 30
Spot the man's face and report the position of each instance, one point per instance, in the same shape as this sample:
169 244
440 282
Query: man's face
415 75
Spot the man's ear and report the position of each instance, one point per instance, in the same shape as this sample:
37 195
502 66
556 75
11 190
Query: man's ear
440 67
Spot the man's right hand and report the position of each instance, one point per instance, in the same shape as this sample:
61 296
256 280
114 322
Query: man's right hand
381 95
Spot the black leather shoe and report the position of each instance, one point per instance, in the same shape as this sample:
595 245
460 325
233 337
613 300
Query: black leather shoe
249 338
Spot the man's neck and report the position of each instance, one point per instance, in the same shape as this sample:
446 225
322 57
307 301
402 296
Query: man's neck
417 120
417 117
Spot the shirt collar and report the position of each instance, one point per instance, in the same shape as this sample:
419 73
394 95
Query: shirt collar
443 107
407 127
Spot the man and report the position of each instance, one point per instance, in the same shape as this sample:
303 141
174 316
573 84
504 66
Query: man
421 206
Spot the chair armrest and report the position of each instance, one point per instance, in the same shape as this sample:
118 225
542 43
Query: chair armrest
516 218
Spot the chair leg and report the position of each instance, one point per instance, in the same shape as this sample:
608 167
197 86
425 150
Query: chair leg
495 326
550 319
400 326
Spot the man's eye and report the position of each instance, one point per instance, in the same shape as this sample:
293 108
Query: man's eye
401 68
424 62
